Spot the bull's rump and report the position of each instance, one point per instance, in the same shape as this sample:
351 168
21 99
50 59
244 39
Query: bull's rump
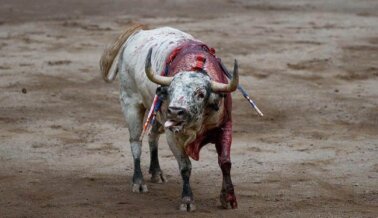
108 62
163 41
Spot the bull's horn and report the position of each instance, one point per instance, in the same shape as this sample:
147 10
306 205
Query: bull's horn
231 86
153 77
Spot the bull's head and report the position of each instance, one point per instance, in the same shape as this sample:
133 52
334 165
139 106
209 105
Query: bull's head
189 94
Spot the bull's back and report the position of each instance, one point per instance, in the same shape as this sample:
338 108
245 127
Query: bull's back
163 41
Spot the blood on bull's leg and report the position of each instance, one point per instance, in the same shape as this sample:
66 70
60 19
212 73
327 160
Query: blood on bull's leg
134 112
157 175
223 146
227 196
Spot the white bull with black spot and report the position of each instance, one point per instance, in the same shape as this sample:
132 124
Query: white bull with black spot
196 107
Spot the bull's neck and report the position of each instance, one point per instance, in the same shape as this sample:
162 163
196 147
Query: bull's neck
189 134
184 57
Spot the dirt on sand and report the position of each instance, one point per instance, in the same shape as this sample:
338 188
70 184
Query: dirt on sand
312 67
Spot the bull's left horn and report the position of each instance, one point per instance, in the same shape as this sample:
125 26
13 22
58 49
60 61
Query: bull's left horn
153 77
231 86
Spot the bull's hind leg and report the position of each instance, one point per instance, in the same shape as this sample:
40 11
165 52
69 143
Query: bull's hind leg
157 175
134 112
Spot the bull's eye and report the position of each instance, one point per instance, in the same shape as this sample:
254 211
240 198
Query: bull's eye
200 94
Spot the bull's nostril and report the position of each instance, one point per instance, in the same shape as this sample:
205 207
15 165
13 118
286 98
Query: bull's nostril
180 113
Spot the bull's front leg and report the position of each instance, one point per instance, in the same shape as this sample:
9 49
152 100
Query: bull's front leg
185 166
187 200
223 145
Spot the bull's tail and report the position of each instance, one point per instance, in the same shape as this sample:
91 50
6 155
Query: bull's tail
108 61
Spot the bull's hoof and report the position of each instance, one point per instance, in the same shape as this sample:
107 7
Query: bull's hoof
228 200
140 188
187 205
158 177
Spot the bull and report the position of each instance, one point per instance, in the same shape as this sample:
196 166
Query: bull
196 102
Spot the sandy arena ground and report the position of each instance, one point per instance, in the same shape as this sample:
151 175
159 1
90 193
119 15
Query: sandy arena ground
312 67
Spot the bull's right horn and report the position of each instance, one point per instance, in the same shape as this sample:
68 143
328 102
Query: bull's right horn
153 77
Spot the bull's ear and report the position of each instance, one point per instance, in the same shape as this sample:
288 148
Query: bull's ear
213 102
162 92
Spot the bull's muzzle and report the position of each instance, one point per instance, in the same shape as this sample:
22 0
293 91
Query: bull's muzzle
176 117
177 112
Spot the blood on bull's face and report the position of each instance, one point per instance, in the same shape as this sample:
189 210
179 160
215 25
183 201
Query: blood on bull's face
188 95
